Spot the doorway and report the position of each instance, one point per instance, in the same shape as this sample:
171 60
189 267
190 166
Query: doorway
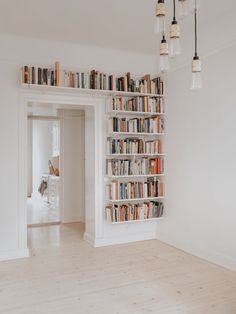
56 165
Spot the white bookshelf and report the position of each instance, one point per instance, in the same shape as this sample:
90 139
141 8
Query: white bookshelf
134 155
109 178
134 113
136 221
129 200
97 92
136 176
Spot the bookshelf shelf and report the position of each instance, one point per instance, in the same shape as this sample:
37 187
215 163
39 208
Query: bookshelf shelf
128 200
135 134
136 176
97 92
134 113
136 221
135 155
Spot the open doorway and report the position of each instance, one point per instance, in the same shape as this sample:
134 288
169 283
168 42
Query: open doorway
56 165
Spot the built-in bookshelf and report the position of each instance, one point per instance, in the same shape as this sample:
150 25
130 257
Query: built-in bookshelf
55 76
134 158
134 167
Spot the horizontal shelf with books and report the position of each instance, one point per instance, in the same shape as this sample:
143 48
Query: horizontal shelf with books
136 176
97 92
136 200
135 155
134 113
135 221
134 134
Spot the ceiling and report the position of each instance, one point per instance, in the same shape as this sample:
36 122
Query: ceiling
122 24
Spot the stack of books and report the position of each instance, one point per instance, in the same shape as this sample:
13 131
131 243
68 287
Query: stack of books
130 212
41 75
133 146
127 167
54 76
139 104
152 187
137 125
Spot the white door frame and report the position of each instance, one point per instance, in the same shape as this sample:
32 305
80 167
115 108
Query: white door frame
94 206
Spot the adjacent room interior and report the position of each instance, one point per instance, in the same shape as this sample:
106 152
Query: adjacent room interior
117 167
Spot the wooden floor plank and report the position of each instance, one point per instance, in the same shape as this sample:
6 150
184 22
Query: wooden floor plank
66 275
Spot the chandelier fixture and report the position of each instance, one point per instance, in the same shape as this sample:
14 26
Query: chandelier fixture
174 48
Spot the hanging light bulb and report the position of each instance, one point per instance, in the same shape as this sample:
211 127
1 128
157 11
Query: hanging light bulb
175 48
164 55
183 8
196 63
160 16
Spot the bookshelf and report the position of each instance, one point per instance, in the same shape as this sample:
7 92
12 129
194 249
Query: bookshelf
134 166
135 115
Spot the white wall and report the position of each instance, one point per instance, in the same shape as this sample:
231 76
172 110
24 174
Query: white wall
201 161
13 54
73 160
42 150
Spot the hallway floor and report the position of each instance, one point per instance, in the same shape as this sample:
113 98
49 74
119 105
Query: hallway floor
40 212
66 275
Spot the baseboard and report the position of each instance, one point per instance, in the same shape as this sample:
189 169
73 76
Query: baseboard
125 239
15 254
100 242
90 239
205 254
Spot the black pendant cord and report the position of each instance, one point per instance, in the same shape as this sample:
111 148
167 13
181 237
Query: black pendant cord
174 17
195 17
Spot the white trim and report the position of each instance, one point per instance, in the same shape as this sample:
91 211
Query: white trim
201 252
15 254
90 239
125 239
84 101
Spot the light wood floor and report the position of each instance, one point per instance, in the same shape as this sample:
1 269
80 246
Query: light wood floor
67 276
40 212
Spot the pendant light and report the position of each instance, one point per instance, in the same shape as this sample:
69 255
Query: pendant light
196 63
164 55
160 16
175 48
183 8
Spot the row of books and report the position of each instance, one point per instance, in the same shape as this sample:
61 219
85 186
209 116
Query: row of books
52 76
41 76
117 190
133 146
139 104
129 212
137 125
102 81
126 167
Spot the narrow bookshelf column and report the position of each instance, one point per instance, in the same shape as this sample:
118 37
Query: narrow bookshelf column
134 159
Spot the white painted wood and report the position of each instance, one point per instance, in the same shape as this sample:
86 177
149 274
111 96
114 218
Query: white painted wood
73 149
91 92
30 158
